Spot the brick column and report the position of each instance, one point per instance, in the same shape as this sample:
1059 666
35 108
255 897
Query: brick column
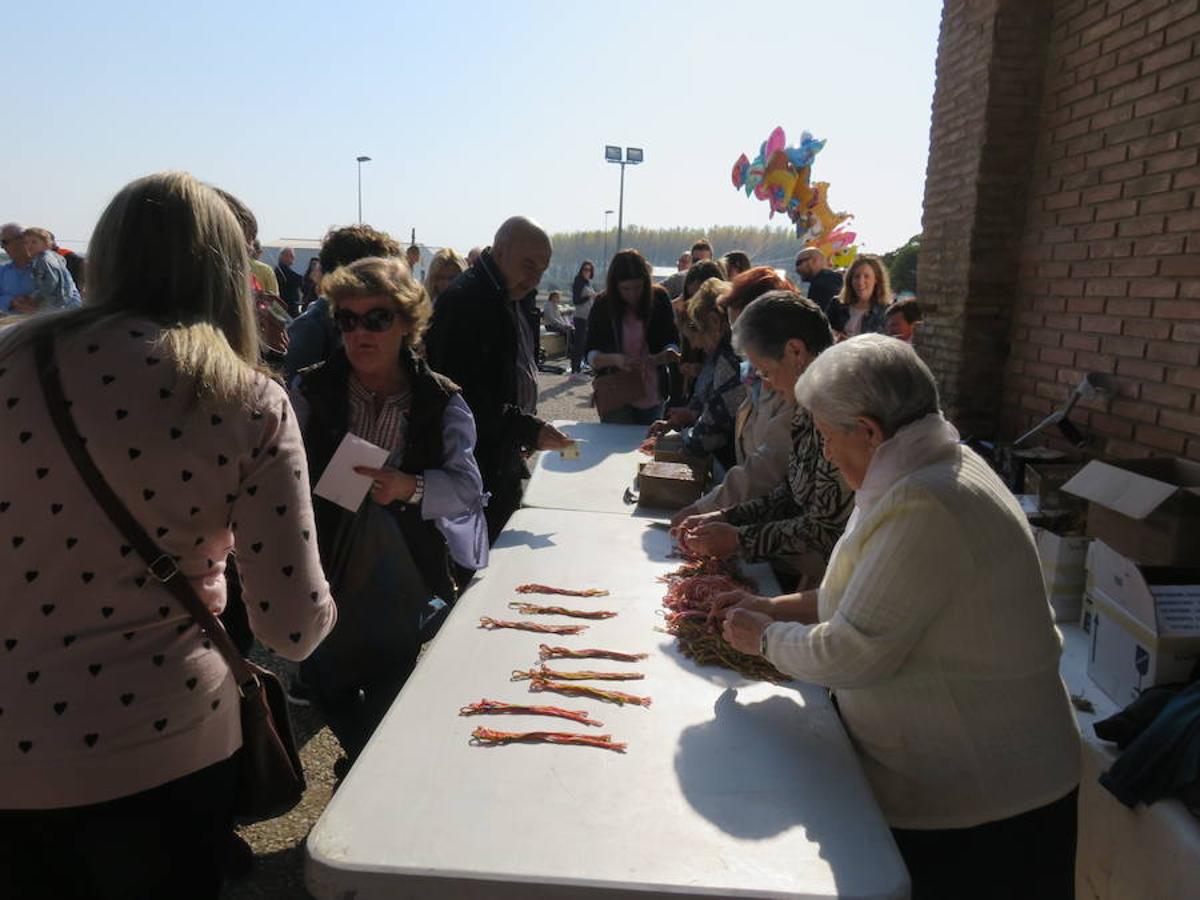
991 59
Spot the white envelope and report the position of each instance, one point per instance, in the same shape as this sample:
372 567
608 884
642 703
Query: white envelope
339 482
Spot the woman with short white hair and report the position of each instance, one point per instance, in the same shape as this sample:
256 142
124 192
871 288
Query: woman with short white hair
932 628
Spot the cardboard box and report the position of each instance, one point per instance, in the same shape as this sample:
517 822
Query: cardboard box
1145 623
669 448
1063 559
668 485
1045 480
1146 509
1056 520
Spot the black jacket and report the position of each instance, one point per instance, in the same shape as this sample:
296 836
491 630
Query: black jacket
290 283
823 290
326 389
604 329
473 340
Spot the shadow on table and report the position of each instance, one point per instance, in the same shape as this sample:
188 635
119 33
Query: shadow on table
760 769
519 537
552 461
656 539
713 673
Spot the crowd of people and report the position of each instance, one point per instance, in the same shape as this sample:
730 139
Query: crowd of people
40 275
914 591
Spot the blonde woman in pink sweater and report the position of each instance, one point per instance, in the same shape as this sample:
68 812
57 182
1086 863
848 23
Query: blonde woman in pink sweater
120 723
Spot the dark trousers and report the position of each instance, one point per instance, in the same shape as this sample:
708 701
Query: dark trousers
1031 855
359 669
168 841
354 712
578 342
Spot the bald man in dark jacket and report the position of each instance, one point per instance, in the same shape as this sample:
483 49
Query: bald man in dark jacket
480 339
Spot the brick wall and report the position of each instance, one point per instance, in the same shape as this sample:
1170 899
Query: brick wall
990 62
1109 275
1088 259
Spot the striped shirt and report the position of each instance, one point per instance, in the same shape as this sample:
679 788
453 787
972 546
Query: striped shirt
383 429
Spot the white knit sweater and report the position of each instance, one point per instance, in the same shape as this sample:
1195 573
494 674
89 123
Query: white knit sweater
936 635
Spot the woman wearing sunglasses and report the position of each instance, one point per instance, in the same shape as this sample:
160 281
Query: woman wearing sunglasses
392 562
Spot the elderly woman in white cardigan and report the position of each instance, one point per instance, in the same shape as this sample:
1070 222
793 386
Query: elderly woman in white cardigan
932 628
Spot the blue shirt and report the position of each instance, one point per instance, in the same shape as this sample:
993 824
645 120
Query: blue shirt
55 286
14 282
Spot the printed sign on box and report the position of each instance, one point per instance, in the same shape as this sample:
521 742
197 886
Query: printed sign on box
1145 623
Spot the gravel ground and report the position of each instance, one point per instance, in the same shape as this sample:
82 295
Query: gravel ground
279 843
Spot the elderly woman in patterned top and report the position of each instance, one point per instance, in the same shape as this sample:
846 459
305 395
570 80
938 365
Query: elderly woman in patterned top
400 560
796 525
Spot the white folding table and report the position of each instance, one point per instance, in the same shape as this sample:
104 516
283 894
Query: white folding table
729 788
598 480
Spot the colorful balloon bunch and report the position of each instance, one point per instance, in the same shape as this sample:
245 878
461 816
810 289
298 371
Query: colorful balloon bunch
781 175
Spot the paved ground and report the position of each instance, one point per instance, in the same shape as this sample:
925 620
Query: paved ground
279 844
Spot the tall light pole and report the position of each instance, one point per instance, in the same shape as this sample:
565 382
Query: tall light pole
633 157
360 160
607 213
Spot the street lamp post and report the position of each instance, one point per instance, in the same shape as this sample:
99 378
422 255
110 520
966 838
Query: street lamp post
633 157
607 213
360 160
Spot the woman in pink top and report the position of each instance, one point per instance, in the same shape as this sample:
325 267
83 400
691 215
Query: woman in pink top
119 720
631 328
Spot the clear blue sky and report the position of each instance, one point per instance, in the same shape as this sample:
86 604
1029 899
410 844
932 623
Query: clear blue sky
471 111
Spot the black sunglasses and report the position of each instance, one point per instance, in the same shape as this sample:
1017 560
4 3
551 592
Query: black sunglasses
377 319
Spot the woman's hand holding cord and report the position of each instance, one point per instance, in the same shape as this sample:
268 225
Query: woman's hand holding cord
714 538
743 630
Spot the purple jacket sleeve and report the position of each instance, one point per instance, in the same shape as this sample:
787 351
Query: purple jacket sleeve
454 496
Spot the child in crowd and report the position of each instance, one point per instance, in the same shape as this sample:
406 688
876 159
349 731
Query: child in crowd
54 286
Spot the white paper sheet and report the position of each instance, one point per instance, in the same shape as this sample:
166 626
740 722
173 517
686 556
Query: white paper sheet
339 482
